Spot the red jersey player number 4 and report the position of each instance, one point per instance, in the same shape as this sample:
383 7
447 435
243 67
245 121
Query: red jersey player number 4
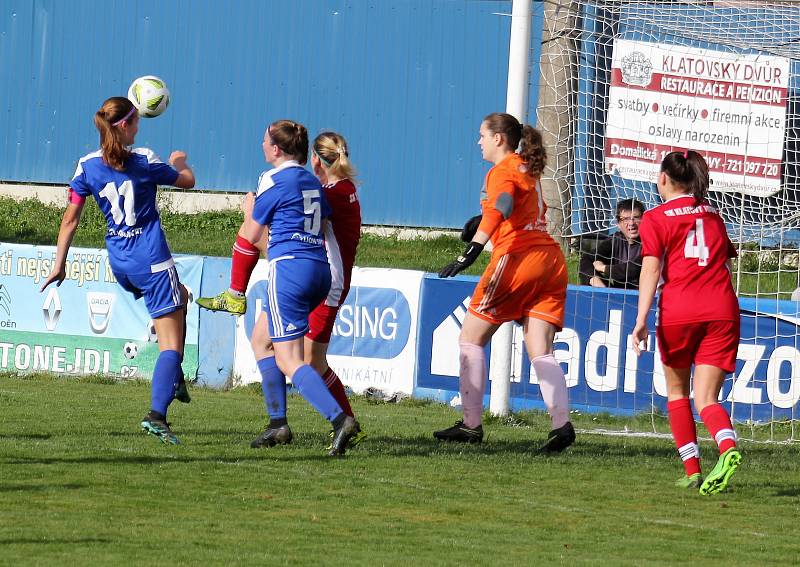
686 254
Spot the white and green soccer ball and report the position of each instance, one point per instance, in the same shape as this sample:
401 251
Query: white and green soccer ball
149 95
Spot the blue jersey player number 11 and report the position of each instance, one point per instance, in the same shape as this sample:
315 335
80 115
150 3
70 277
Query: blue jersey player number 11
123 182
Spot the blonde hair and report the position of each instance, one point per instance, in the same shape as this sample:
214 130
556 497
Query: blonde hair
113 110
331 149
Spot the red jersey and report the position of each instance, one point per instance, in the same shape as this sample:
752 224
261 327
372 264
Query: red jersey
342 236
694 248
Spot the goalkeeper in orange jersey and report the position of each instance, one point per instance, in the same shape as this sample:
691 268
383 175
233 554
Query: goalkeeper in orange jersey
525 281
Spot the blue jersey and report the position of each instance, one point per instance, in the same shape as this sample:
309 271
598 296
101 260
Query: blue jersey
135 241
290 200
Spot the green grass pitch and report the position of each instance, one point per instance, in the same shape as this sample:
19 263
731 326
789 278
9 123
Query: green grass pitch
80 484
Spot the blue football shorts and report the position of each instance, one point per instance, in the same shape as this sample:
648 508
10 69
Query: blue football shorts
295 286
161 291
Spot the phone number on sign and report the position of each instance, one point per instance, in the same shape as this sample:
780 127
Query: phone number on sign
744 166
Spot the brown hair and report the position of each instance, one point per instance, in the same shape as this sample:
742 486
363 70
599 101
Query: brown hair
331 148
689 171
113 110
291 137
527 138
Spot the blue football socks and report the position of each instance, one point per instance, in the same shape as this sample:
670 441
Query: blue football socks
165 373
273 384
313 389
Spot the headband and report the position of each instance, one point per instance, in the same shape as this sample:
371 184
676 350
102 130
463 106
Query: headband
124 118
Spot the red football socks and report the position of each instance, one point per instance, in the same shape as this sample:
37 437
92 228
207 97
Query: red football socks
336 388
244 259
684 431
718 423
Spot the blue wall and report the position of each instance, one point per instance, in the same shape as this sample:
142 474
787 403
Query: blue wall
407 83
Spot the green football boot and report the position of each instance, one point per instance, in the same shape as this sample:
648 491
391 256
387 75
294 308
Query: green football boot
155 424
224 301
717 479
693 481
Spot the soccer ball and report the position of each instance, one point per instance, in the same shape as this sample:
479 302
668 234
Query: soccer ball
152 337
149 95
130 350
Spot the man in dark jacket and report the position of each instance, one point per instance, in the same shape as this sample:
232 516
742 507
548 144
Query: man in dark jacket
617 260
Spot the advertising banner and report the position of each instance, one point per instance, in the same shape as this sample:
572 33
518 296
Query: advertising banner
374 337
729 107
89 324
603 372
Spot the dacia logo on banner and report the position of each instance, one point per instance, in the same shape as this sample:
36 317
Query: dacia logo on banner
372 323
51 309
99 305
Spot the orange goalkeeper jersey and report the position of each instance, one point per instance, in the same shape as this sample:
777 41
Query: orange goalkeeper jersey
513 208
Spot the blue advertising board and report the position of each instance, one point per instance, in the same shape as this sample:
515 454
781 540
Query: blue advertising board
603 372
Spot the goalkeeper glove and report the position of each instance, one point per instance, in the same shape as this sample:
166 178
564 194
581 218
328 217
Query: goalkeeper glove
463 262
470 228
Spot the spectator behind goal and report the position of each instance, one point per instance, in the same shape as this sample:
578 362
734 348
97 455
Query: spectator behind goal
616 261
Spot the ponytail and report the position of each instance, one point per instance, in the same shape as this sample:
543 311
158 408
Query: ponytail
331 149
689 171
527 138
532 150
114 110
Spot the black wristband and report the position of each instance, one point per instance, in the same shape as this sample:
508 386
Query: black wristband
470 228
471 253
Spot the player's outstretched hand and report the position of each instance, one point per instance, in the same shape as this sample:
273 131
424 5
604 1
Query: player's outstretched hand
247 205
177 159
470 228
463 262
56 275
640 336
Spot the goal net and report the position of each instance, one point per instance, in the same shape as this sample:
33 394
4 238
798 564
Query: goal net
624 83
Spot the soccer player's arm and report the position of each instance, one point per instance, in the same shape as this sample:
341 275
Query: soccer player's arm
185 179
497 207
176 173
326 212
652 253
69 224
267 200
732 253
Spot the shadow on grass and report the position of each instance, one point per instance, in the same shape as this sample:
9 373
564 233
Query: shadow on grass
423 446
54 541
40 487
257 455
25 436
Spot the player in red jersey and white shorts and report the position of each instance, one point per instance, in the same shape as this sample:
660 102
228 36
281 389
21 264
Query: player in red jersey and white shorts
686 247
331 164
